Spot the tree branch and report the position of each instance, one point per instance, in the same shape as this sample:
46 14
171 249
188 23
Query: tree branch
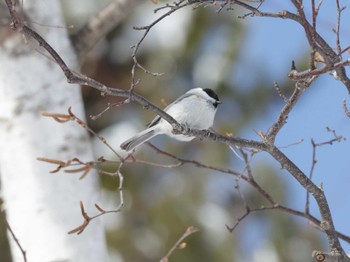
315 40
179 244
327 221
24 253
283 116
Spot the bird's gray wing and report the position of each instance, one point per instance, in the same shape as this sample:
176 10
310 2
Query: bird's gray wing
138 139
157 118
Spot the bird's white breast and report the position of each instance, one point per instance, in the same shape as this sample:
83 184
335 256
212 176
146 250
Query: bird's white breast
193 112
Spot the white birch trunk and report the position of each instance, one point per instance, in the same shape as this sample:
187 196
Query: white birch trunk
42 207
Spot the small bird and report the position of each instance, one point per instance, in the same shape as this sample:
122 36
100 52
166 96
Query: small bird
195 109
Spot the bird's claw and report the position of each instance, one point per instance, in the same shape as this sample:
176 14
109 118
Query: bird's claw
181 128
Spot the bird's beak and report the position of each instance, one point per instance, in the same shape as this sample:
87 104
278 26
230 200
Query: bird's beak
217 102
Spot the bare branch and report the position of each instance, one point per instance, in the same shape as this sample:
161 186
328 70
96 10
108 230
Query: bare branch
176 6
109 106
328 257
283 116
294 75
85 169
337 29
313 164
250 180
316 192
24 253
315 40
279 91
183 161
87 219
179 243
314 161
346 110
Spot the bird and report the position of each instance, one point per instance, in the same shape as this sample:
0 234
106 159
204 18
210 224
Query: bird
195 109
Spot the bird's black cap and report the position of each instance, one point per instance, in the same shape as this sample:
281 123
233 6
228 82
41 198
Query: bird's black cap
212 94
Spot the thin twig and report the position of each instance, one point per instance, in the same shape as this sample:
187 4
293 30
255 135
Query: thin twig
321 46
253 182
146 29
313 164
16 241
279 91
313 34
179 243
346 110
182 161
337 29
247 212
87 219
282 118
62 118
109 106
318 71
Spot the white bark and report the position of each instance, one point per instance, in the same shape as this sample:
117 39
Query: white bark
42 207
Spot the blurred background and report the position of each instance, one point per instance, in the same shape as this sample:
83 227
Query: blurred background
240 59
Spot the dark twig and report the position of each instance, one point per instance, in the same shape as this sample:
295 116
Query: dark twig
317 223
313 34
309 31
282 118
320 45
168 6
16 240
109 106
313 164
318 194
337 29
253 182
314 161
250 180
247 212
146 29
346 110
182 161
336 138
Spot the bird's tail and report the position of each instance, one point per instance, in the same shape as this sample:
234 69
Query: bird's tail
139 139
